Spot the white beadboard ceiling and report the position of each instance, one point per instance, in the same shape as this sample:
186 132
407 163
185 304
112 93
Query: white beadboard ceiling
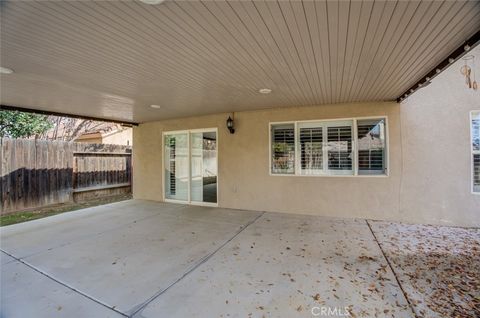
112 59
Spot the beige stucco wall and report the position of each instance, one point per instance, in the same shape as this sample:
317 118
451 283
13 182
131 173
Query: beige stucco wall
436 184
429 161
244 180
123 137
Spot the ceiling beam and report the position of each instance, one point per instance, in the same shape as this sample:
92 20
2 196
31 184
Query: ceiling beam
49 113
443 65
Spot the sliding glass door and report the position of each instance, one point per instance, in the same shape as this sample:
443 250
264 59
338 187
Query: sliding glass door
190 166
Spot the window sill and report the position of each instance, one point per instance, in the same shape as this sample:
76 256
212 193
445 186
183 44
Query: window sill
334 176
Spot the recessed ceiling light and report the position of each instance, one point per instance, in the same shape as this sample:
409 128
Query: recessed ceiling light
5 70
156 106
153 2
265 91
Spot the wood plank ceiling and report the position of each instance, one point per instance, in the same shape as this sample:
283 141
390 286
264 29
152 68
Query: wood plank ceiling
113 59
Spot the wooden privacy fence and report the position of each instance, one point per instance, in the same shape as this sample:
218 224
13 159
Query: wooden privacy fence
35 173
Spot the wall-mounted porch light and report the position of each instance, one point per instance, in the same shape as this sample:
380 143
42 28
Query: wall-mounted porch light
230 125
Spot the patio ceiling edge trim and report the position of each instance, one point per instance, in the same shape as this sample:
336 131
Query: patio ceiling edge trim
468 45
44 112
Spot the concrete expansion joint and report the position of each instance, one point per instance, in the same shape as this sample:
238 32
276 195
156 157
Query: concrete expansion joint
202 261
62 283
393 270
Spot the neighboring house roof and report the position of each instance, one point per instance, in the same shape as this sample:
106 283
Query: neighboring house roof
94 135
101 133
70 128
117 135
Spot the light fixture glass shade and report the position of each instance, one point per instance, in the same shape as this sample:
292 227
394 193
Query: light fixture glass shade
265 91
5 70
230 125
153 2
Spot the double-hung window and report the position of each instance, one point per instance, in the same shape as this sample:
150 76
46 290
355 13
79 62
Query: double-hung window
329 147
475 131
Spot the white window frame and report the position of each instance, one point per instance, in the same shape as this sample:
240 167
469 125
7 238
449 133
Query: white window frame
354 148
188 201
472 152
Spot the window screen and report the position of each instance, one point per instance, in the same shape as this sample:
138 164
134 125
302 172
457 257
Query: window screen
476 151
311 150
371 146
283 149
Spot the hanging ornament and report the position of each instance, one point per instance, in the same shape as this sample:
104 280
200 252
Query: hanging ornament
467 69
474 84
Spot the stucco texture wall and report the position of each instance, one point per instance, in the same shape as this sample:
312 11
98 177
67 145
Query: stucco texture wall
243 160
429 160
436 144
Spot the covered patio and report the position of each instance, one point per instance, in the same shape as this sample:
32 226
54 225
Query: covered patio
148 259
327 100
290 158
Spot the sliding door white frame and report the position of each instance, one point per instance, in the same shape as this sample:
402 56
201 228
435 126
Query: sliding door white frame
189 141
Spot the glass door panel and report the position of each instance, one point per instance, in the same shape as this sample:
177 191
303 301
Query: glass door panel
176 166
204 167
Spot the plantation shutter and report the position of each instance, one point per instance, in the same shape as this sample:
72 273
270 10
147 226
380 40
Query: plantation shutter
476 151
311 150
371 146
476 172
339 148
332 147
173 182
283 149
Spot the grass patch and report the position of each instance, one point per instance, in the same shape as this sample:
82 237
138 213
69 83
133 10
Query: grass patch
19 217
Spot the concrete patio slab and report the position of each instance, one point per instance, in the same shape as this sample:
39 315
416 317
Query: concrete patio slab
29 238
338 227
286 266
27 293
125 266
148 259
438 266
5 258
